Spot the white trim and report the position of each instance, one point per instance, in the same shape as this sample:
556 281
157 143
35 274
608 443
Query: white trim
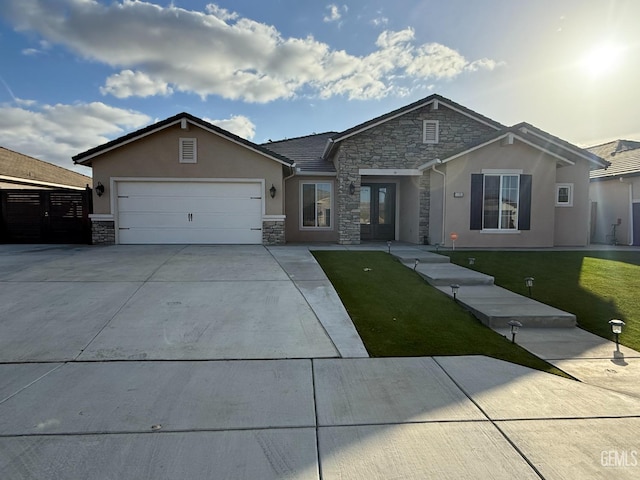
101 217
316 174
502 171
391 172
497 231
301 226
429 164
489 142
558 144
182 142
424 132
37 182
273 218
176 122
569 203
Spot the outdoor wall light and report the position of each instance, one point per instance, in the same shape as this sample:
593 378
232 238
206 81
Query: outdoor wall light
616 328
472 261
272 191
415 264
389 247
99 189
529 283
515 326
352 188
454 289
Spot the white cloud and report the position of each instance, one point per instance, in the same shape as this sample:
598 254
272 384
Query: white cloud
55 133
376 22
161 49
128 83
334 13
238 124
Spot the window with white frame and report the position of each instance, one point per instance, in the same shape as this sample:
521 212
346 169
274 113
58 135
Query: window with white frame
430 131
188 150
564 194
316 205
500 202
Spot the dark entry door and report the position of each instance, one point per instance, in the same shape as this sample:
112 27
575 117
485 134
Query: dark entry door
636 223
378 211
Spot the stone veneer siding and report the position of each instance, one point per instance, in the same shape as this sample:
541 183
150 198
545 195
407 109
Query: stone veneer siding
103 232
273 232
398 144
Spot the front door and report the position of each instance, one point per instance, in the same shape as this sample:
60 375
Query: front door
378 211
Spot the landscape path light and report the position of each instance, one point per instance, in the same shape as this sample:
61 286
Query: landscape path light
454 289
415 264
616 328
515 326
389 247
529 283
472 261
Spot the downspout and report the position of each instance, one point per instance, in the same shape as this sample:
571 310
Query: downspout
444 197
632 240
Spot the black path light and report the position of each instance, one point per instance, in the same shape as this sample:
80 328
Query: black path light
472 260
415 264
389 246
454 290
515 326
616 328
529 283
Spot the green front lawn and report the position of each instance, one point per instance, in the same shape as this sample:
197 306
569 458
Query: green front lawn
595 286
398 314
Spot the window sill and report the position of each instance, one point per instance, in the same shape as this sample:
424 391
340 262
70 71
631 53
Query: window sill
564 205
501 232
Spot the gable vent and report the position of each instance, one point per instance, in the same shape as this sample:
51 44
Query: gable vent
188 150
430 131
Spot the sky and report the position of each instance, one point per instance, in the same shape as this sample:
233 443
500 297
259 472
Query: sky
77 73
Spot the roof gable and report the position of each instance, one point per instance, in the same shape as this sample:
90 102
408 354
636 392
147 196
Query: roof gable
562 151
85 158
19 168
436 101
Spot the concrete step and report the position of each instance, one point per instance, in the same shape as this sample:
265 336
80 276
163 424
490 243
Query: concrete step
445 274
495 307
409 256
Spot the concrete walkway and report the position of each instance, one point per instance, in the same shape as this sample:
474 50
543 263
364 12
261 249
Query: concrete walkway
79 399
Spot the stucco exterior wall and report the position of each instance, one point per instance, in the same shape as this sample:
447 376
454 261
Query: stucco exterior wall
572 223
293 225
398 144
613 199
509 157
156 156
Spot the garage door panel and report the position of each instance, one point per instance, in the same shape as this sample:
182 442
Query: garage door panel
190 236
185 212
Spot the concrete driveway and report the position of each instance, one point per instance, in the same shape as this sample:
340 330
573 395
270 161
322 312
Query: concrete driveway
171 362
154 302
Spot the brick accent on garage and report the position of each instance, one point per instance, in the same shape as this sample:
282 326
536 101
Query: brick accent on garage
103 232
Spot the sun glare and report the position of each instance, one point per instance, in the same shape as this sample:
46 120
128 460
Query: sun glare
602 60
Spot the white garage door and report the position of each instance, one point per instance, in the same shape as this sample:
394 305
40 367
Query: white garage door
190 212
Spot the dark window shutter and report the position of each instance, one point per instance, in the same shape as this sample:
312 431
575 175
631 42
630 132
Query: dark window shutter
476 201
524 203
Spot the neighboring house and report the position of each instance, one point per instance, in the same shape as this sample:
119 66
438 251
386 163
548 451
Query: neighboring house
615 194
18 171
41 202
417 175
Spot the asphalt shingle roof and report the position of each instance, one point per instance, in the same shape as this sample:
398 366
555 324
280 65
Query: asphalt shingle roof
18 165
624 156
305 151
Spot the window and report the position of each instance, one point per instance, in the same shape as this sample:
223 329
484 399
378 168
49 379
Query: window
500 202
188 150
316 205
430 131
564 194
